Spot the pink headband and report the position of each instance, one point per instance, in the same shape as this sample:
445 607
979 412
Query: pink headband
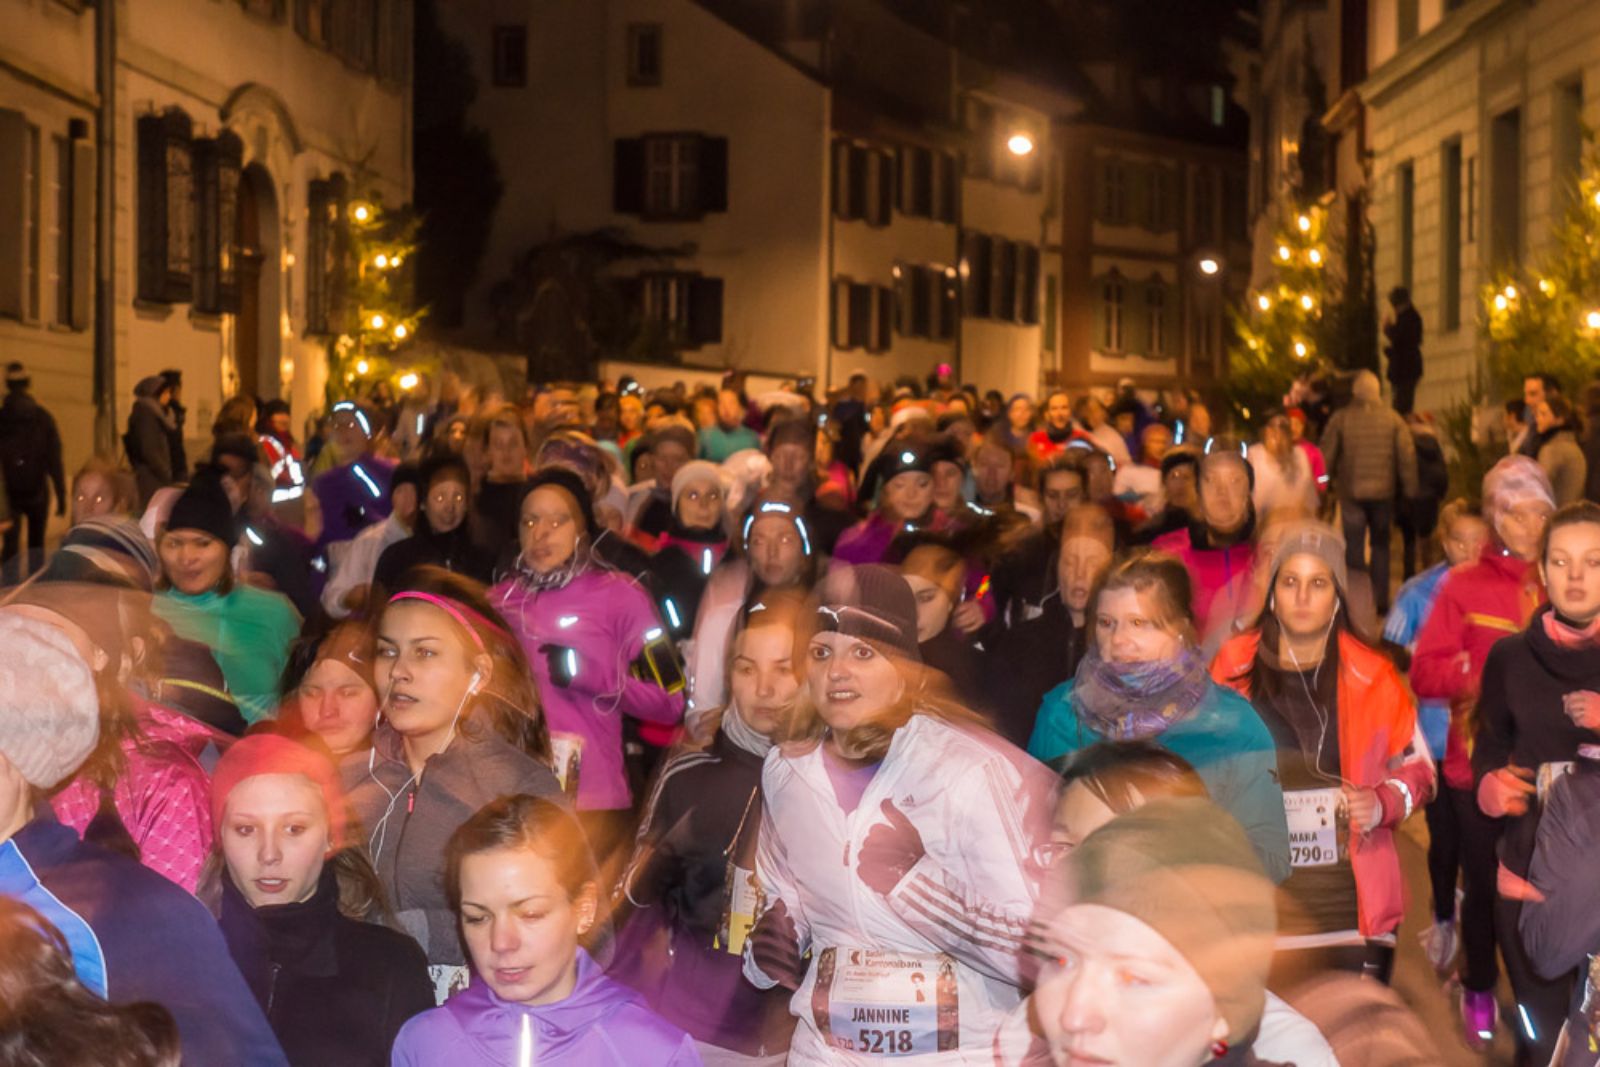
458 612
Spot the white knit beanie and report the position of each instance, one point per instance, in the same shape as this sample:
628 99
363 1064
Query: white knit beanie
49 710
694 471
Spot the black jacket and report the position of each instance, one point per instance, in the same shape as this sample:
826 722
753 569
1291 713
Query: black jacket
1405 345
704 812
1024 663
678 572
1521 721
335 990
30 446
1561 930
458 552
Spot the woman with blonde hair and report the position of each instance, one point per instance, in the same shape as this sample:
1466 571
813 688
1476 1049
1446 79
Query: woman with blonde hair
940 825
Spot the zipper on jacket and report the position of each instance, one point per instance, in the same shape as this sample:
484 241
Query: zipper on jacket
272 987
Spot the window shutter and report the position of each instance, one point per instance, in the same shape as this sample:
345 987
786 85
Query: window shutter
885 189
1135 323
904 285
947 305
856 179
337 263
627 182
841 180
713 174
217 163
317 234
705 311
1099 303
883 311
975 257
165 206
83 182
903 193
1028 286
949 177
13 212
1003 296
860 315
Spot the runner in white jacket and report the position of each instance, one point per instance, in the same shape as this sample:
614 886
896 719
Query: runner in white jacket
904 851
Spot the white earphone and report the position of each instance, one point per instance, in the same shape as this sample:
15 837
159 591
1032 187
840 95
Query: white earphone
472 685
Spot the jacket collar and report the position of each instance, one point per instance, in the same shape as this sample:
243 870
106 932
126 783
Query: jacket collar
494 1026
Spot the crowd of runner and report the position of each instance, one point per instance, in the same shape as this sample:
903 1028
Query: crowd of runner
912 724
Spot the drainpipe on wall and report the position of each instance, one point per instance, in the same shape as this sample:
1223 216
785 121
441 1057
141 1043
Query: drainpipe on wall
105 366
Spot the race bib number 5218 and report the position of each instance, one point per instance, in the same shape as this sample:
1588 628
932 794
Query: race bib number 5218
886 1003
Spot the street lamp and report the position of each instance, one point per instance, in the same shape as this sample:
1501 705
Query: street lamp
1020 144
1209 266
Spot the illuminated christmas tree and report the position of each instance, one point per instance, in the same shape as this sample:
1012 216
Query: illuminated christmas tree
381 314
1280 333
1546 318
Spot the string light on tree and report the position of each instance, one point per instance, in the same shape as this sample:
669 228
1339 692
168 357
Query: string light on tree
378 312
1546 317
1279 332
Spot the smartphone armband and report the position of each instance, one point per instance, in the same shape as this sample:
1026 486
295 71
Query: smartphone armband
659 664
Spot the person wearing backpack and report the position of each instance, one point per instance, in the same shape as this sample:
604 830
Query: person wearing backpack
30 451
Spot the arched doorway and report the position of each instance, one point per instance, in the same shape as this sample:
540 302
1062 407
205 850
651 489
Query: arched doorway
257 335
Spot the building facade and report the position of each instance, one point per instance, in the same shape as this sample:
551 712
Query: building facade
811 189
1476 111
174 177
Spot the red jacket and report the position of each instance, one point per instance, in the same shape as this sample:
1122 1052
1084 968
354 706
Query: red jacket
1478 604
1377 723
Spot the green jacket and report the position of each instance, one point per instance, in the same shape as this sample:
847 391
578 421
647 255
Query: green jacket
248 631
1224 740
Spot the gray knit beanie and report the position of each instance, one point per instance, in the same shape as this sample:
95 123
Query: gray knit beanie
49 710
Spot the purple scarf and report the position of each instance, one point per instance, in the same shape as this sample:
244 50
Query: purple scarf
1133 701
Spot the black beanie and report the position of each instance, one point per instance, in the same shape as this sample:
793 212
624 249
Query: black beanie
566 480
902 457
871 602
204 506
408 473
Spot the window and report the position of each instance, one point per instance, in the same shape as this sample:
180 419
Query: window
326 234
508 57
217 207
32 164
671 177
1205 205
1155 319
1003 299
1568 138
392 37
976 273
60 277
1505 189
165 207
688 305
1219 105
644 53
1110 307
1450 235
1472 199
1406 201
980 139
1113 205
862 315
1159 210
1407 16
1050 297
267 9
1028 285
863 183
313 20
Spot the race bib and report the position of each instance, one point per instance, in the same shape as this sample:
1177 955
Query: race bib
1549 774
742 902
447 980
886 1003
1315 826
567 750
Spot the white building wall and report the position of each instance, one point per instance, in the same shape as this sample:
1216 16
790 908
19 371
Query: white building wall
1450 82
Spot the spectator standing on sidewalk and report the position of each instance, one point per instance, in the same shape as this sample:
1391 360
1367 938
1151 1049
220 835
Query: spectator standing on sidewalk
30 448
1403 328
1369 449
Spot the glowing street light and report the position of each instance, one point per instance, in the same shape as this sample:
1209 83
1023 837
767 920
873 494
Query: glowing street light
1020 144
409 380
1209 266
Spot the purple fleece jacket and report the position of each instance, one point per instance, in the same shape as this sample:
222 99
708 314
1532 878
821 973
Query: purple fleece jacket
603 617
602 1024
